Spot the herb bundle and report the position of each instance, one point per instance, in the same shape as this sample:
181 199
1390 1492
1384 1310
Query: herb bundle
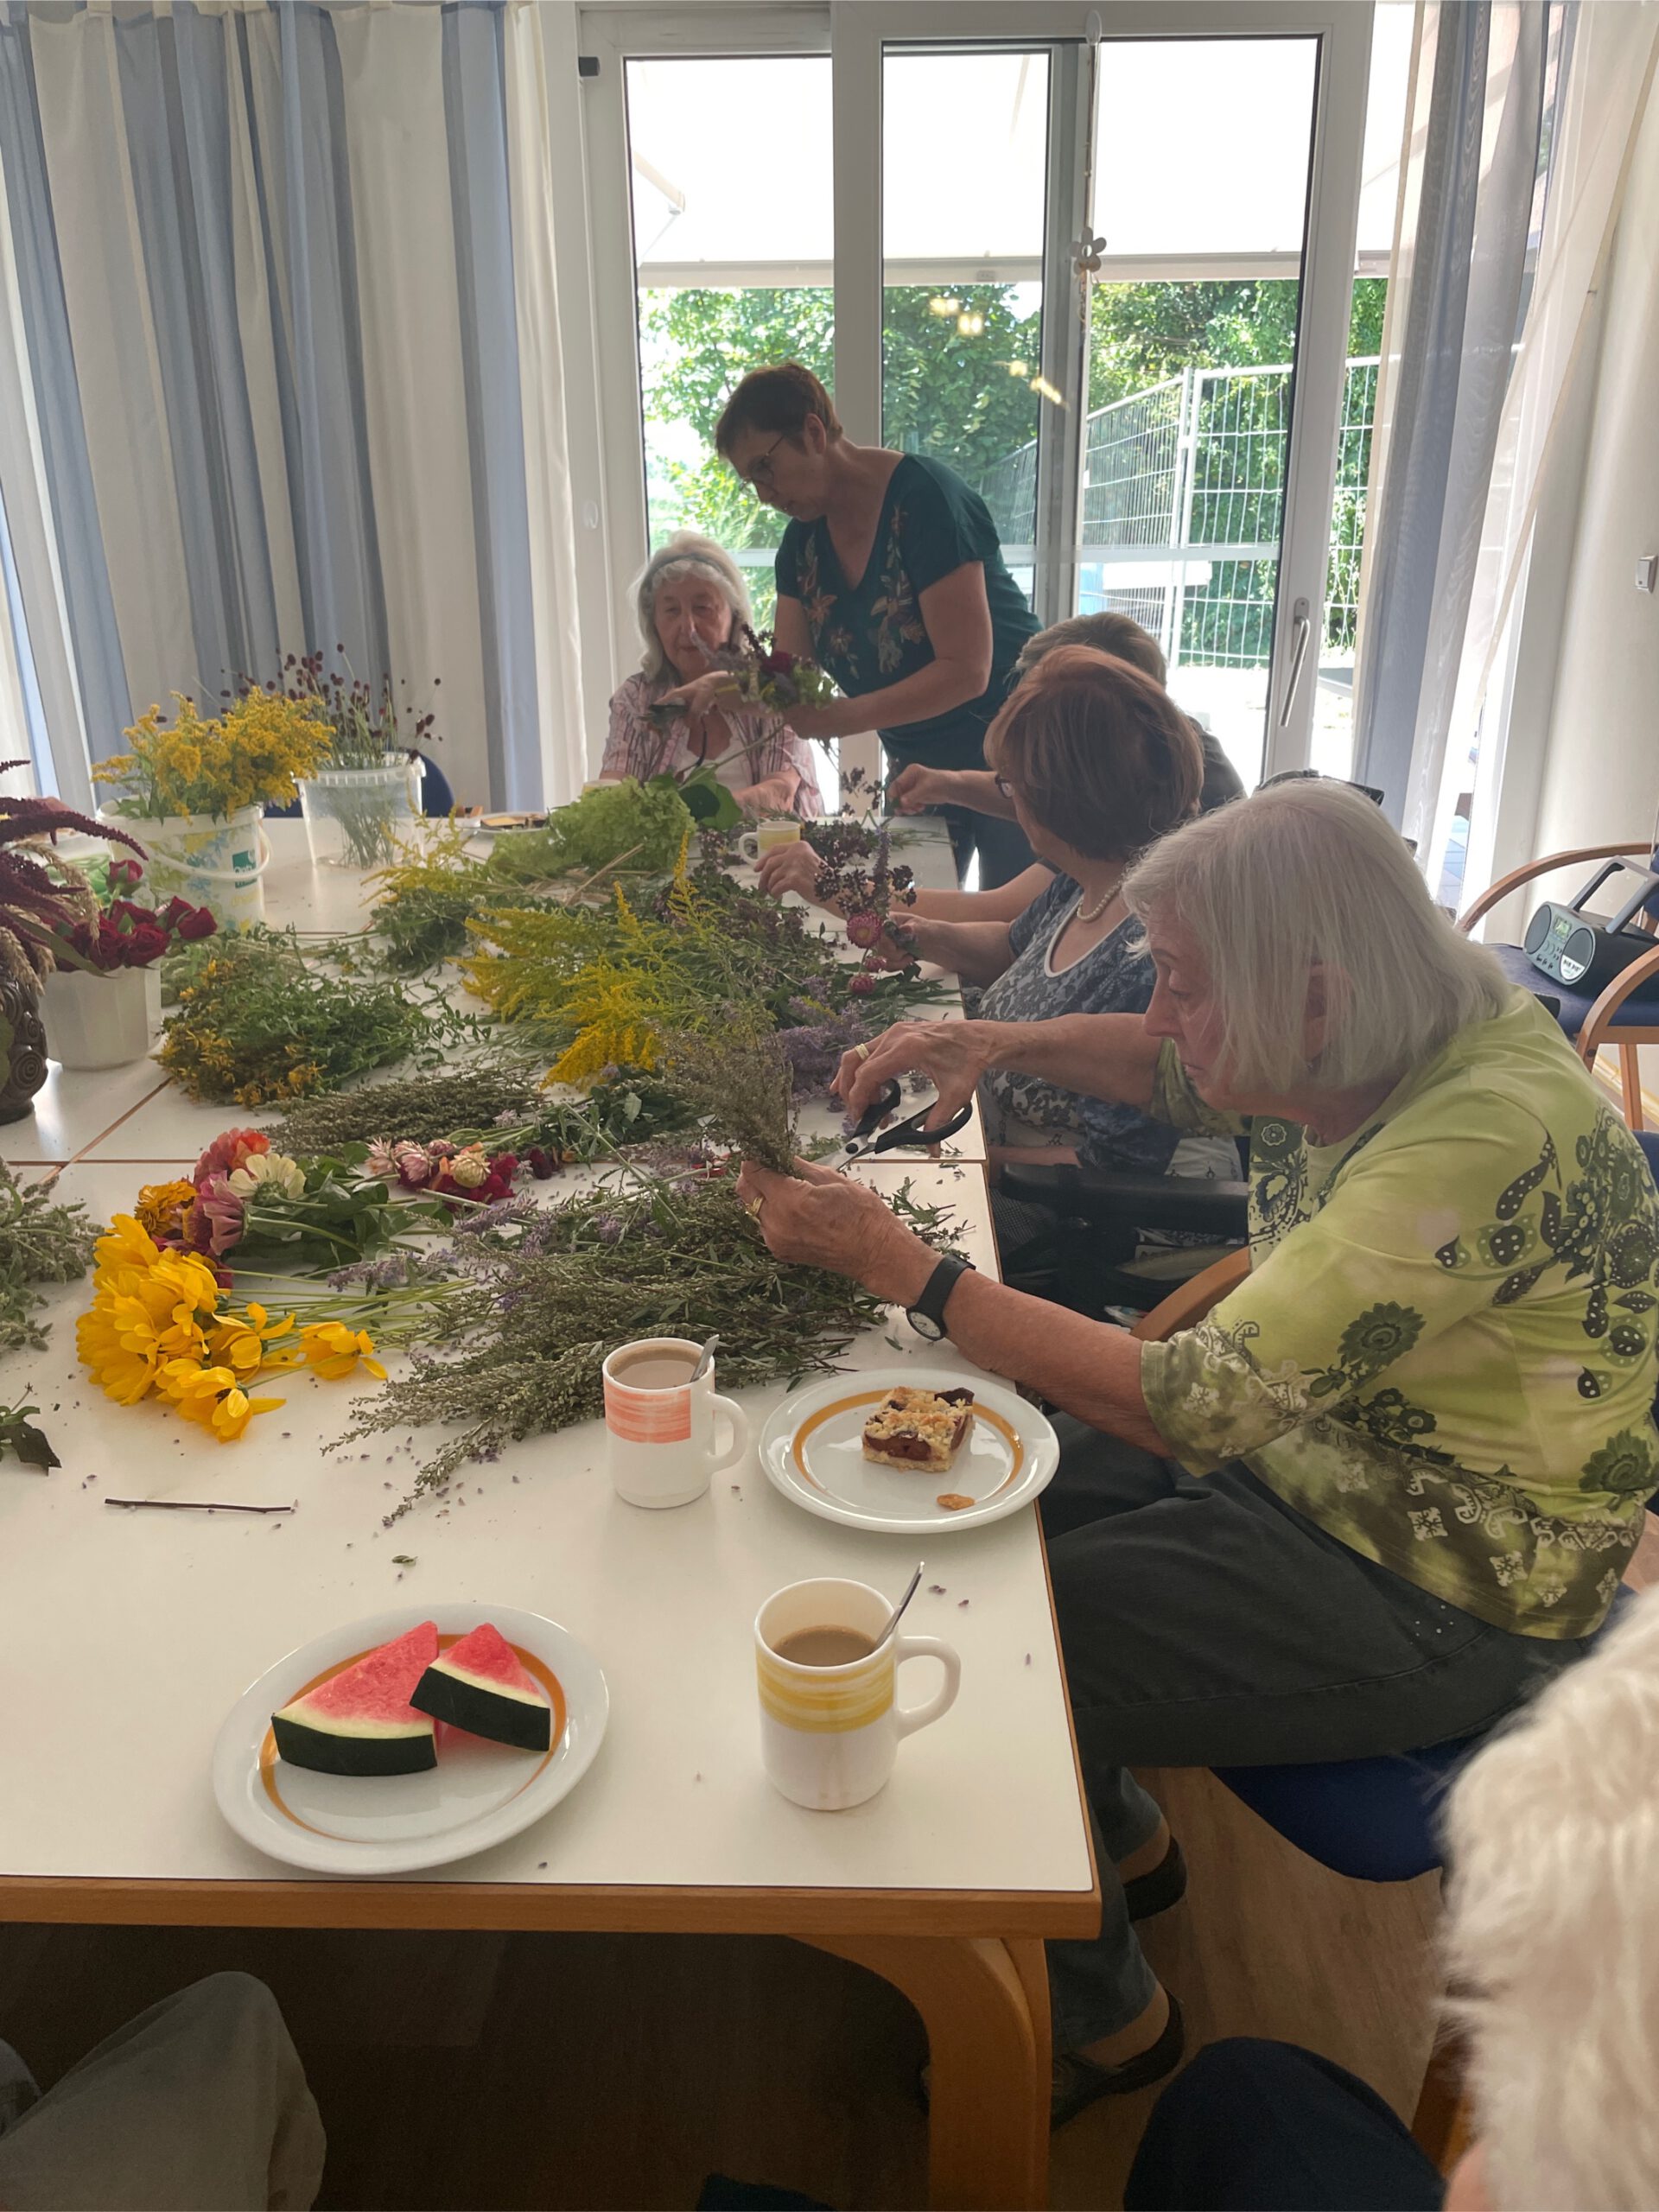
643 824
256 1021
40 1243
504 1106
556 1290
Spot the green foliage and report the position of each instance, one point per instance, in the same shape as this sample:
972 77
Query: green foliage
39 1243
645 825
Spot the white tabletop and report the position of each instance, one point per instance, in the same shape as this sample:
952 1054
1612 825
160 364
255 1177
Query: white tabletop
127 1636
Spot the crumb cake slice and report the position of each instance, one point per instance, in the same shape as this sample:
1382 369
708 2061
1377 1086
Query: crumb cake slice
919 1429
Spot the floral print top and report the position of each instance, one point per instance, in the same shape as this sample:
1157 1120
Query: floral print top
870 634
1444 1354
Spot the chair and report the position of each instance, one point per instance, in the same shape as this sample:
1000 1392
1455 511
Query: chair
1626 1014
1372 1820
1098 1219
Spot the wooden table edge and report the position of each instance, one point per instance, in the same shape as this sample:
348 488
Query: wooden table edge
545 1907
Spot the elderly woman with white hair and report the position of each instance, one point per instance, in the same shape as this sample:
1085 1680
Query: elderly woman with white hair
1388 1486
691 601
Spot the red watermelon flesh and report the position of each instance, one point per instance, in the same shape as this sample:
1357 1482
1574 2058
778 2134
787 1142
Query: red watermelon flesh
361 1720
479 1684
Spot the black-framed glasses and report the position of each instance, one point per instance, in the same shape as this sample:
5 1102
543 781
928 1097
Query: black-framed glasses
759 474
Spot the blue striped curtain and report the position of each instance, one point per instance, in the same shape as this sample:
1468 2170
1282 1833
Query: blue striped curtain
197 93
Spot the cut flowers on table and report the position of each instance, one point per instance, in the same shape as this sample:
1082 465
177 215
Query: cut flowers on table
125 933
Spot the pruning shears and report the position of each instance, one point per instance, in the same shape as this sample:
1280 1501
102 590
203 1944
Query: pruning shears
867 1140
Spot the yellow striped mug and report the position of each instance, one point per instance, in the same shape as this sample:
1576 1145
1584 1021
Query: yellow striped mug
828 1735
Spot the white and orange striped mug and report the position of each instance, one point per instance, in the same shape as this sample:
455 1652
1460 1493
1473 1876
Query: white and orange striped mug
662 1425
830 1733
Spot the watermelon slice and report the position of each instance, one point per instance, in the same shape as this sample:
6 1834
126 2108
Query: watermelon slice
480 1685
361 1721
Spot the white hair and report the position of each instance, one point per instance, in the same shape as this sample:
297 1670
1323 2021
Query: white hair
1553 1847
1310 875
687 554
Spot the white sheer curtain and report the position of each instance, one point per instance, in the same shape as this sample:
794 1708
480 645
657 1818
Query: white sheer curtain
1609 84
1455 302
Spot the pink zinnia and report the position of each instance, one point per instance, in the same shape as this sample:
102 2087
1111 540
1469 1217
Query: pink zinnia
229 1150
222 1209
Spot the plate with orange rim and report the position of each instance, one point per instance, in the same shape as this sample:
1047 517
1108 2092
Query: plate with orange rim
478 1793
812 1450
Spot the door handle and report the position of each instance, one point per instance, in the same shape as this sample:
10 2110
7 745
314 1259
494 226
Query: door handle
1303 620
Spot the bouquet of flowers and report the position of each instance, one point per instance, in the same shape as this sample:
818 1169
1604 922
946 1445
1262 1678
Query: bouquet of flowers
125 934
249 755
363 727
40 896
765 675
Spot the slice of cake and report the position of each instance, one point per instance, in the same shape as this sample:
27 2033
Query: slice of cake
920 1430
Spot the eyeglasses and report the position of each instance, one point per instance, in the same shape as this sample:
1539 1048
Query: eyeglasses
759 474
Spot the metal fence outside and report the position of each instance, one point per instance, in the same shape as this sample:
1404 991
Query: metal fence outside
1182 503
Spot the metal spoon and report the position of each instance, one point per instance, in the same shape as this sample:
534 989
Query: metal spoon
705 1358
893 1618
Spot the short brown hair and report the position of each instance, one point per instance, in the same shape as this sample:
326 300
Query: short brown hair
1100 754
1121 635
776 399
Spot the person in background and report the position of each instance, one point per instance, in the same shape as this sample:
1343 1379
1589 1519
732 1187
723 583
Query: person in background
202 2101
1552 1930
1388 1486
793 867
918 787
690 601
891 577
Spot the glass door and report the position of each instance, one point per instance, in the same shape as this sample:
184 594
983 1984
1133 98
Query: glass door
1100 261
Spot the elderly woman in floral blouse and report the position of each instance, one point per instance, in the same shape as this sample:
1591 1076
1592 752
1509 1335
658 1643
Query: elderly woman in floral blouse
1389 1485
691 601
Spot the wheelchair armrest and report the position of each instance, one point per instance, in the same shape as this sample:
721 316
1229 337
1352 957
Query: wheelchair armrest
1209 1207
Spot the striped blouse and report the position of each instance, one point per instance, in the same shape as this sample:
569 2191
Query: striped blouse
762 744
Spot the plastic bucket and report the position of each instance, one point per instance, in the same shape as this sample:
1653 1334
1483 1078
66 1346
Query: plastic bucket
359 817
100 1021
213 863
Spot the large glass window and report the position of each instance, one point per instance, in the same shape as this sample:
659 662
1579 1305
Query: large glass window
729 273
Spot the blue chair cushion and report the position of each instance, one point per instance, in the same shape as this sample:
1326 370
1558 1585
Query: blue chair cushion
1640 1011
1375 1819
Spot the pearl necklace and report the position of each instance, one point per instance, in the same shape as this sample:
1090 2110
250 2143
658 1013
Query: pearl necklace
1093 913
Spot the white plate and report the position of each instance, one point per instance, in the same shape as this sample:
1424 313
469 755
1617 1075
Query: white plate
478 1793
812 1451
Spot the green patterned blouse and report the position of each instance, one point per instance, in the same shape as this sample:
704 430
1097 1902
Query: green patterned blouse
1443 1353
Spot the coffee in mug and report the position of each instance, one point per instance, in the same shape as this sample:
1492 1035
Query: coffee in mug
830 1724
662 1423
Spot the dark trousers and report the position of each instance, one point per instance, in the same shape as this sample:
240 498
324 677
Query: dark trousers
1206 1624
1003 852
1256 2126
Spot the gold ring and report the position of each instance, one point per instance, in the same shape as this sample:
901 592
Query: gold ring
752 1207
863 1052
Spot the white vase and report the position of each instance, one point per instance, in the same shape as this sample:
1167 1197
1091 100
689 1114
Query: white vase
213 863
102 1021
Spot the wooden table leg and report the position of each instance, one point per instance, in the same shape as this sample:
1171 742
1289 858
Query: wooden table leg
985 2005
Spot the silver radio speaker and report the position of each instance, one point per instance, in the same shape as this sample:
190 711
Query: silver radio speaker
1586 952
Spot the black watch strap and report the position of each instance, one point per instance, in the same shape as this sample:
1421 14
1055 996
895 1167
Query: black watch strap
937 1288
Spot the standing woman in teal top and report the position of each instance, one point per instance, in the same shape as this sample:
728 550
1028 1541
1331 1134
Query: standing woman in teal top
891 576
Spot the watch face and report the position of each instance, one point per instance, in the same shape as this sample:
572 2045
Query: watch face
925 1325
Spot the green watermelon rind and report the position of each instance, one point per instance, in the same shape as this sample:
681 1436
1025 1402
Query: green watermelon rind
503 1711
361 1721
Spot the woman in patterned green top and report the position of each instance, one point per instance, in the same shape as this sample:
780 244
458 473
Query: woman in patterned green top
1392 1481
891 576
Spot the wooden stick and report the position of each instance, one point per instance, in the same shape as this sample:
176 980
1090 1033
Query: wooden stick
195 1505
588 884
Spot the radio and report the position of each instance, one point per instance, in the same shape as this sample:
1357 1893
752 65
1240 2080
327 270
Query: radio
1586 952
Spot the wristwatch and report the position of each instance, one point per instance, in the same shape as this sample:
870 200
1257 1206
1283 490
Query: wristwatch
926 1316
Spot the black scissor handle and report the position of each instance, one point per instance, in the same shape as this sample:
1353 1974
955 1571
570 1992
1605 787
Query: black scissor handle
866 1142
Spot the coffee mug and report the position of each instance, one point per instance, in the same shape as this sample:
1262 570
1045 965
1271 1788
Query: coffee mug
829 1731
768 837
662 1424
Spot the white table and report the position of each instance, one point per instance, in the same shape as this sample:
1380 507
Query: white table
132 1634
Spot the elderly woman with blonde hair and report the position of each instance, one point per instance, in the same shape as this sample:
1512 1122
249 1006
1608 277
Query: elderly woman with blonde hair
1388 1486
691 601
